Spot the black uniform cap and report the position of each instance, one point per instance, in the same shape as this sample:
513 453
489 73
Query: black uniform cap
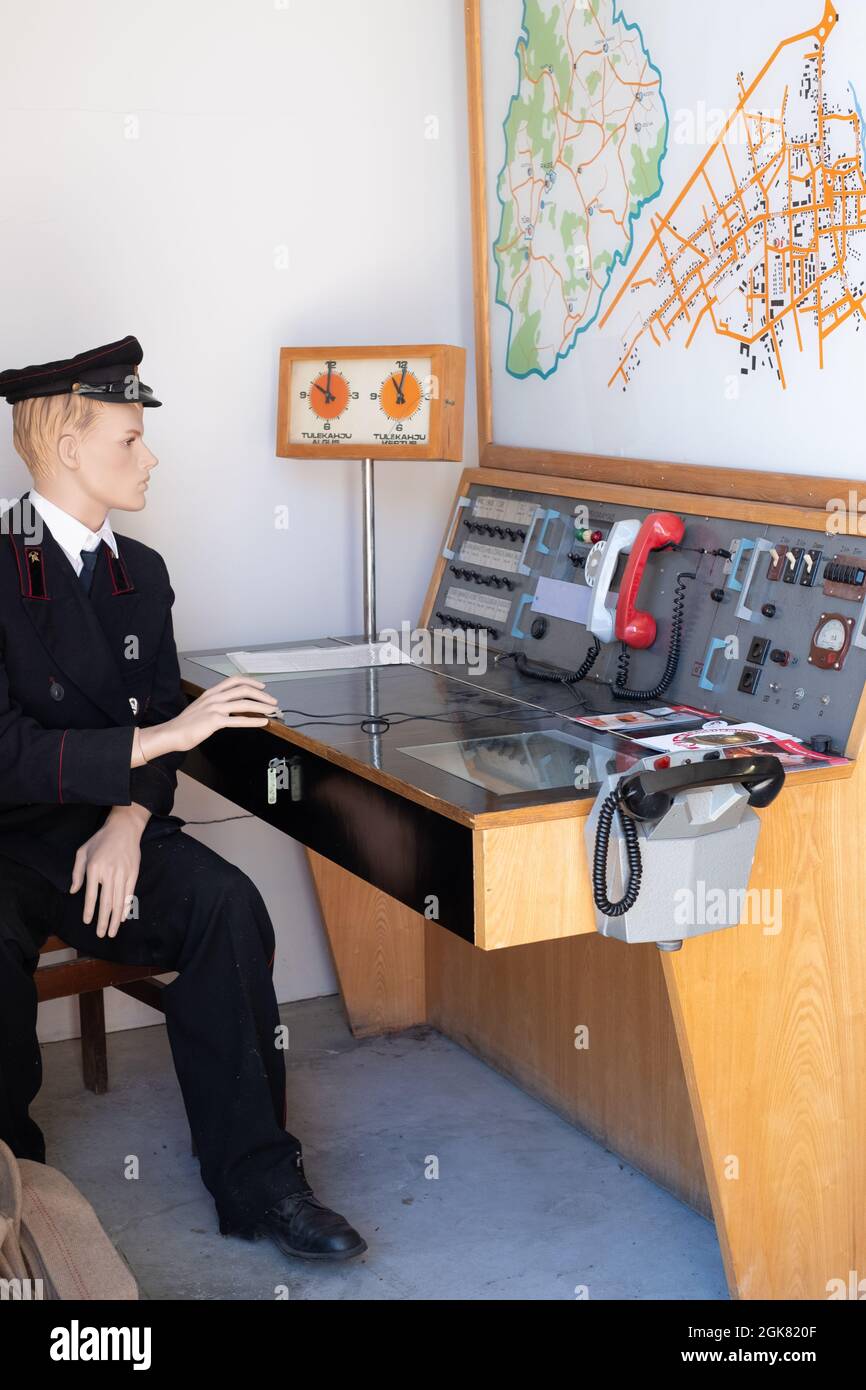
105 373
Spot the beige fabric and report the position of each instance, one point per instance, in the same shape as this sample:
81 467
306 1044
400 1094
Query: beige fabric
49 1231
12 1264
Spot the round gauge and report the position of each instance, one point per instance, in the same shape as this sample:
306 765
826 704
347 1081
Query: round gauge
329 394
831 641
401 394
831 636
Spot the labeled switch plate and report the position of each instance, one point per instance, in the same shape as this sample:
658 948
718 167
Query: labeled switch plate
811 568
793 564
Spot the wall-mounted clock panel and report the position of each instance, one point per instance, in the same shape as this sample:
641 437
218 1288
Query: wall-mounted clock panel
402 401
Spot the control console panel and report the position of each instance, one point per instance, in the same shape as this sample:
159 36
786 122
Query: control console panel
754 622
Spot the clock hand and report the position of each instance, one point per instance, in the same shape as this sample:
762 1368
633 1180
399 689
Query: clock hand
401 399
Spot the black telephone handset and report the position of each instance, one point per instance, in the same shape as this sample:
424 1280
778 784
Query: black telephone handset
648 795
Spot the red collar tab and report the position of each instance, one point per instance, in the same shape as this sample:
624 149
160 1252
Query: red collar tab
31 571
32 577
120 580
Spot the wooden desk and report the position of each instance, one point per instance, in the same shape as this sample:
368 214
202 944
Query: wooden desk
731 1073
495 868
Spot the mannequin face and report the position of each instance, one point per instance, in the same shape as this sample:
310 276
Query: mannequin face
106 468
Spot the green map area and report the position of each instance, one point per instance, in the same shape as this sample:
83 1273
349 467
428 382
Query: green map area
585 136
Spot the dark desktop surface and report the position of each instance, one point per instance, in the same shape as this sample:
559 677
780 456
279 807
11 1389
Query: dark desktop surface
481 742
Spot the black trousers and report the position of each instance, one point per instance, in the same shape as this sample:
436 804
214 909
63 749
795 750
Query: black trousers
203 917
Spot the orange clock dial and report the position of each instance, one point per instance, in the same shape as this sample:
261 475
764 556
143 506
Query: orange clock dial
371 402
401 394
329 395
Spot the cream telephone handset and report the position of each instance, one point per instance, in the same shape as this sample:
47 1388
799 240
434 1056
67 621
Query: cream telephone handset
601 565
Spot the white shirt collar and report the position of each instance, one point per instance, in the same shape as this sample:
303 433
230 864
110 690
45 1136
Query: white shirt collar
71 534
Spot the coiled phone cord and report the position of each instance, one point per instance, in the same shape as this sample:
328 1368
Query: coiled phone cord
619 690
526 668
609 808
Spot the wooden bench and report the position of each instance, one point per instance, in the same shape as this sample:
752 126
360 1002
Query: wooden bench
88 978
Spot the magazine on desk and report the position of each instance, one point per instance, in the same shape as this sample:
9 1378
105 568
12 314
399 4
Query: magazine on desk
655 729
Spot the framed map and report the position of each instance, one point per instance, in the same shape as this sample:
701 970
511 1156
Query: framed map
669 217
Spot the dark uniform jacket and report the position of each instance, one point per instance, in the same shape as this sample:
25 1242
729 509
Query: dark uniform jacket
77 673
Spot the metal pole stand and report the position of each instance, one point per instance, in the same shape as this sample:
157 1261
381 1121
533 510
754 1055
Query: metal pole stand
370 631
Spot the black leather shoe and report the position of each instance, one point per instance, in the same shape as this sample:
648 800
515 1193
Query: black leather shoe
300 1225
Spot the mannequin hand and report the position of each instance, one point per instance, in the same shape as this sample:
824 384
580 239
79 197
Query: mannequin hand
238 702
109 862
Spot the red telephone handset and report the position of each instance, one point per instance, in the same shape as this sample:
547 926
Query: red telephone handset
634 627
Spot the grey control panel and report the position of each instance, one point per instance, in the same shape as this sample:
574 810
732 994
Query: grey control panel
772 622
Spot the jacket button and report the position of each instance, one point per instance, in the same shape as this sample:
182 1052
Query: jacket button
56 691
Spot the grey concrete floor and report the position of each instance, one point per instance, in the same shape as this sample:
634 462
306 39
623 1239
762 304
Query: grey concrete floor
524 1206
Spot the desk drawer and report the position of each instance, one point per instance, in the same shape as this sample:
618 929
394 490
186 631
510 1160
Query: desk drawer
407 851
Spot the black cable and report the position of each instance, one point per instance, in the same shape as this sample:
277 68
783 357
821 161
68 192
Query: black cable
619 690
348 719
220 820
527 668
702 550
609 807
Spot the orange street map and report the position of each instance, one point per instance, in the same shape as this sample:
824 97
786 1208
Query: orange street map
764 245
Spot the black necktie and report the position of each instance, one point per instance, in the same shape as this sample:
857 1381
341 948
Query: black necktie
88 562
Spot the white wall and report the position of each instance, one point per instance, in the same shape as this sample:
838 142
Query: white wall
159 161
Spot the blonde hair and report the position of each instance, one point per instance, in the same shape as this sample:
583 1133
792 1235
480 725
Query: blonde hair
38 423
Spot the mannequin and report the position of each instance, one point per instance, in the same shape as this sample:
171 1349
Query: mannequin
93 727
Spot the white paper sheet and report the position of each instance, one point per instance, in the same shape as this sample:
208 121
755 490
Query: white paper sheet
291 660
